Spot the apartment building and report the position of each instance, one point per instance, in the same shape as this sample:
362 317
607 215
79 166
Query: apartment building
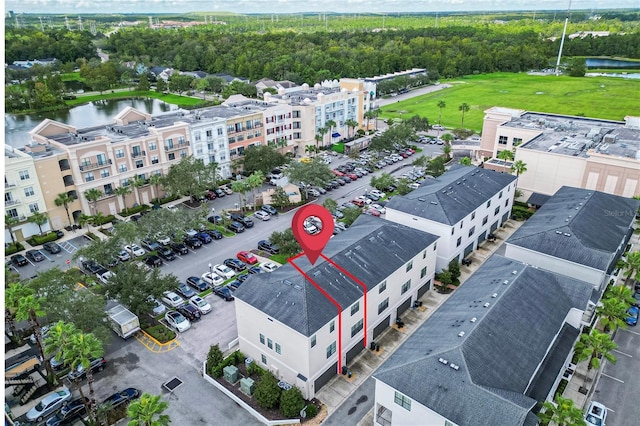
22 193
305 329
595 154
492 352
579 233
462 206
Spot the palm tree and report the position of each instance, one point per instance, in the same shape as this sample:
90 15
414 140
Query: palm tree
446 150
465 161
464 107
82 348
83 219
97 219
505 156
519 167
369 115
136 183
64 199
441 106
631 265
143 411
620 292
564 413
123 191
594 346
93 195
12 296
9 223
310 149
351 124
330 124
156 180
612 313
39 219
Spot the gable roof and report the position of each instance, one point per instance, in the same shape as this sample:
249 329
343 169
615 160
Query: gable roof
452 196
579 225
371 249
498 353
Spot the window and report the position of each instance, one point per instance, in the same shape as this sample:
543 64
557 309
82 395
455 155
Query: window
383 287
119 153
424 254
473 215
223 156
355 308
423 272
24 174
356 328
409 265
262 338
461 223
169 143
139 164
181 140
517 141
34 208
402 401
88 177
183 153
104 173
108 189
172 156
506 202
102 159
496 211
502 140
269 343
313 340
278 349
264 359
405 287
152 146
154 159
484 220
220 131
332 326
453 229
331 349
12 213
122 168
383 305
459 242
197 136
124 182
28 191
472 230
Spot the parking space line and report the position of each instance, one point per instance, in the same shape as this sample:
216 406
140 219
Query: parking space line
632 332
153 345
613 378
622 353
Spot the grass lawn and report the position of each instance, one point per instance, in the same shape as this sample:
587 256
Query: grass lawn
169 98
598 97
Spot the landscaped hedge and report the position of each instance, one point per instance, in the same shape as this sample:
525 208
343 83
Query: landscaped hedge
36 240
234 358
13 248
106 219
520 213
164 200
161 333
134 210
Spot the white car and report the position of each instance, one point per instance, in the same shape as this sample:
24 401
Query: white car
163 239
158 308
48 405
262 215
177 321
364 199
414 185
596 414
377 193
202 305
171 299
437 127
378 207
268 266
104 278
224 271
172 208
212 279
135 249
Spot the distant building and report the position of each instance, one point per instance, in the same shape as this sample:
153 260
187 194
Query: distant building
408 73
30 63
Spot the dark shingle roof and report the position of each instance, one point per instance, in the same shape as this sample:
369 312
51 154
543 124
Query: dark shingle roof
371 249
500 349
579 225
452 196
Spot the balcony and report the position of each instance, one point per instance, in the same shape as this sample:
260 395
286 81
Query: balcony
12 202
176 146
93 166
136 154
8 185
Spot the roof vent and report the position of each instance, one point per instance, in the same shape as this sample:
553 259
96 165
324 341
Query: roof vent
461 334
434 203
494 295
577 208
443 361
514 272
567 235
297 287
560 232
422 199
287 282
278 295
454 366
505 282
486 305
316 273
474 319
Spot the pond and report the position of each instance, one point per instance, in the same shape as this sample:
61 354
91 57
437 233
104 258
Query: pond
611 63
91 114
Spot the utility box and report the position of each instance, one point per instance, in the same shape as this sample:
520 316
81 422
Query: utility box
247 385
230 374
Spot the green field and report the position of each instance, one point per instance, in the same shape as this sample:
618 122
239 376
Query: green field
169 98
598 97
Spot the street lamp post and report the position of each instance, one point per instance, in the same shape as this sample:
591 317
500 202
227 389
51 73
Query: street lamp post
210 268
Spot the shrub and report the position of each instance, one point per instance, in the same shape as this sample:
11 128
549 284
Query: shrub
134 210
561 387
454 268
161 333
267 392
311 411
214 357
291 402
102 221
36 240
164 200
254 368
13 248
521 212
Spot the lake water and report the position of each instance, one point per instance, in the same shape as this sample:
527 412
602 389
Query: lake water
17 126
610 63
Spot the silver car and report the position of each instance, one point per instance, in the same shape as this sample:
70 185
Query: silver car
48 405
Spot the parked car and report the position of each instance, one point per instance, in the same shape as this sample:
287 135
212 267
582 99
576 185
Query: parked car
202 305
247 257
233 285
224 271
268 246
48 405
255 270
171 299
269 209
197 283
371 212
149 244
185 291
378 207
596 414
35 255
153 261
157 307
235 264
236 227
177 321
213 233
219 192
269 266
166 253
224 293
52 247
204 237
135 249
632 315
80 372
216 219
192 242
262 215
122 397
124 256
179 248
19 260
69 413
190 312
227 190
212 279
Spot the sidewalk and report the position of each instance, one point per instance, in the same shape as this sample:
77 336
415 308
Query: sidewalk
340 390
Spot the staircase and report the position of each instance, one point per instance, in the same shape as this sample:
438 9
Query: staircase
29 391
23 388
68 247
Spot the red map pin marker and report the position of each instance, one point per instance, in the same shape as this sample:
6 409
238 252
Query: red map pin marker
312 244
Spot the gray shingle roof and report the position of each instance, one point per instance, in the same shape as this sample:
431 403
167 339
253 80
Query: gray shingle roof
580 225
499 352
452 196
371 249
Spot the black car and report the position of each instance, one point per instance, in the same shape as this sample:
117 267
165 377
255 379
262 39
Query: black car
122 397
345 179
233 285
235 264
185 291
90 267
236 227
197 283
150 245
166 253
215 219
247 222
80 373
255 270
153 261
179 248
35 255
190 312
268 246
223 293
269 209
193 242
19 260
219 192
339 182
372 197
69 412
52 247
242 277
213 233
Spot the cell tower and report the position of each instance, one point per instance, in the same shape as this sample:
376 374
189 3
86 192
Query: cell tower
564 32
93 28
80 25
41 24
17 22
66 22
150 22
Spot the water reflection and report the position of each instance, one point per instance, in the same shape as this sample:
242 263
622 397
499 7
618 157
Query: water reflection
96 113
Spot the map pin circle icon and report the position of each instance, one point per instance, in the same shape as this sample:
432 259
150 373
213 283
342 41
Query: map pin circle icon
312 243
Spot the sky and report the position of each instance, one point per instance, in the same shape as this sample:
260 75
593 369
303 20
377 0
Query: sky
297 6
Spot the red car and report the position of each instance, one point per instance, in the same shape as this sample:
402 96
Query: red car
247 257
337 172
358 203
372 212
353 176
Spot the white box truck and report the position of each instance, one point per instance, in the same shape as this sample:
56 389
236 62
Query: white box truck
124 322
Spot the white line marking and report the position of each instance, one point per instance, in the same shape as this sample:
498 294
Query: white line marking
622 353
611 377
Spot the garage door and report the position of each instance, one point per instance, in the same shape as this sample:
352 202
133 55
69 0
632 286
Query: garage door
482 237
422 290
494 227
405 305
505 217
468 250
355 350
381 327
326 376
